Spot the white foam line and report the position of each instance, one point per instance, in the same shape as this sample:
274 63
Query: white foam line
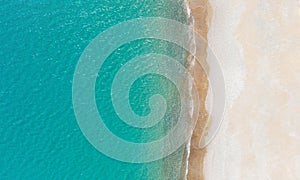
190 84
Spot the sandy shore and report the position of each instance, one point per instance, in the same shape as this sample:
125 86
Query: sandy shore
260 135
258 42
201 13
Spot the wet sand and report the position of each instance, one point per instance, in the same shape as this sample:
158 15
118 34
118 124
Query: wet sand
201 13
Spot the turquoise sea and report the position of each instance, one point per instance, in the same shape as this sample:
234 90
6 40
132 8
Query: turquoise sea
41 43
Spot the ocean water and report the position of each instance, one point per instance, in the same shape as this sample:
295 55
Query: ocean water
41 43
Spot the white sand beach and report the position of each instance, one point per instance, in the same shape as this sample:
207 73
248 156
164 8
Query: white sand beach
258 45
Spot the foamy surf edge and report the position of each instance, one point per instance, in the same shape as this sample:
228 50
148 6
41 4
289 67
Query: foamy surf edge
191 60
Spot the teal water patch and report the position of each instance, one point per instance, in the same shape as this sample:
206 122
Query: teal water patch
140 92
41 43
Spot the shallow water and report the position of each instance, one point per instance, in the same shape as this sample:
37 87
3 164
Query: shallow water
41 43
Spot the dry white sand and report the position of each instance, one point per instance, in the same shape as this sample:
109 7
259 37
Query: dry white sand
258 44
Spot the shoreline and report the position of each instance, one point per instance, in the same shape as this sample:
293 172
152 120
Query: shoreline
200 12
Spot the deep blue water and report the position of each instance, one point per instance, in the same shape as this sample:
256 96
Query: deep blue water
41 42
